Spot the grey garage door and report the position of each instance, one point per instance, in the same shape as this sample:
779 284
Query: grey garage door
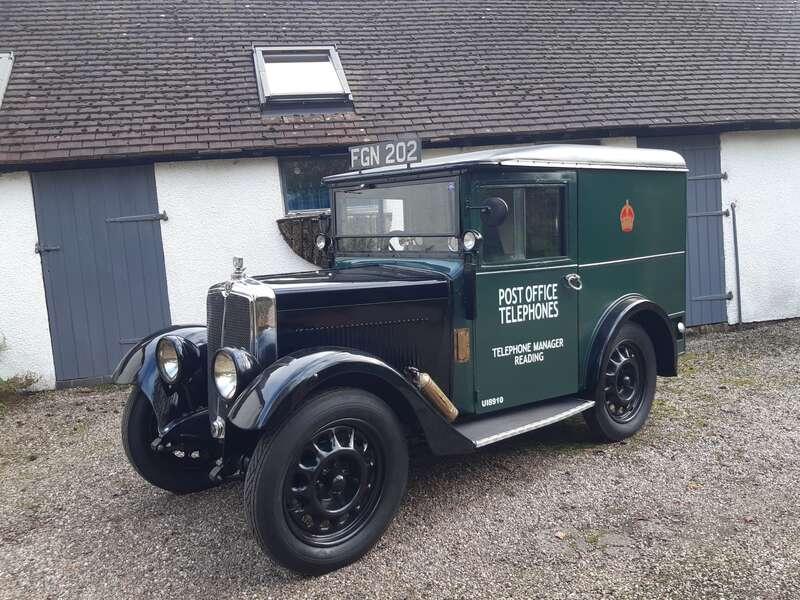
706 297
103 265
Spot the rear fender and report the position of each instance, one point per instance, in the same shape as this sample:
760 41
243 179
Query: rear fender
646 313
270 398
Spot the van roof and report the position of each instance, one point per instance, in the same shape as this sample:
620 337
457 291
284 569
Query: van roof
571 156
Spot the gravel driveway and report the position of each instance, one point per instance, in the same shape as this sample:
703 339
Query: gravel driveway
703 503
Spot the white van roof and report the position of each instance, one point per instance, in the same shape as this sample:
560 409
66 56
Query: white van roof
569 156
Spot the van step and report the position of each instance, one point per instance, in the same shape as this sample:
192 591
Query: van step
488 430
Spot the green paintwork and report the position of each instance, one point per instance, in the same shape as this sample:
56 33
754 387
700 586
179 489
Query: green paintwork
594 199
511 366
659 203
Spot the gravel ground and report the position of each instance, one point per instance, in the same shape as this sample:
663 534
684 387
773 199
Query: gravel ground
703 503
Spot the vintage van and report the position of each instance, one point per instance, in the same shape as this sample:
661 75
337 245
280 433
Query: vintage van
470 298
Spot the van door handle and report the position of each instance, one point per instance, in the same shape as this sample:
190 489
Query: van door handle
573 280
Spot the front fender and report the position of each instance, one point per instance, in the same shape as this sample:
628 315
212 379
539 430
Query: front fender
272 395
139 366
632 307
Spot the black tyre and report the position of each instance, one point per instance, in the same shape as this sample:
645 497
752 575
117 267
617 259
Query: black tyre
626 387
177 470
323 487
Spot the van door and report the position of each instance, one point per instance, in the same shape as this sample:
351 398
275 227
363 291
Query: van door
526 305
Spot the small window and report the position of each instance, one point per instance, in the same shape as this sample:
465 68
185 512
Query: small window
301 75
534 227
544 217
302 180
6 62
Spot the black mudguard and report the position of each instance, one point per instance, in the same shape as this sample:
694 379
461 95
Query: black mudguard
645 312
276 390
139 367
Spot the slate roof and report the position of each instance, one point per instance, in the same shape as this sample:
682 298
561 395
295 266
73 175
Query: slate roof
115 79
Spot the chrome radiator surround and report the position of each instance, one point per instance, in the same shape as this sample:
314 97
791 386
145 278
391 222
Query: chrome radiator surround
261 313
241 313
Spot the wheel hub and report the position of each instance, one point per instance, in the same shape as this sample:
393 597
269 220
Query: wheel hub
334 484
338 484
624 384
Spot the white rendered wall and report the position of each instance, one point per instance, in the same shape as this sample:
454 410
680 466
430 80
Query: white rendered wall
23 308
764 182
219 209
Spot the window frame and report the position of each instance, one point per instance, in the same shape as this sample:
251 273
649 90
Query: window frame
293 52
563 234
283 175
565 179
6 66
448 176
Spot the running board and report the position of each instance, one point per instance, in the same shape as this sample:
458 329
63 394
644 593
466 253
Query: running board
506 424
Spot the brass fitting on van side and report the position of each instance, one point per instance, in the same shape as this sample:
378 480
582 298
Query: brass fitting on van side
433 393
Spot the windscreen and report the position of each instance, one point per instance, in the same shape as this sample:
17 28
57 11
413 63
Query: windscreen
419 216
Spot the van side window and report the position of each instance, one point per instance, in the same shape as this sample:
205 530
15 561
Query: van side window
544 217
534 227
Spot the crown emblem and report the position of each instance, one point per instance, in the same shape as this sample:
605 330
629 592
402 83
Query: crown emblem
626 217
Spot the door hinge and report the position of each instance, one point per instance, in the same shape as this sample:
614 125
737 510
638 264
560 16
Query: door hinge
162 216
710 297
712 213
723 175
41 249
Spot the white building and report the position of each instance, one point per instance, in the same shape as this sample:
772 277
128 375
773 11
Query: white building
139 152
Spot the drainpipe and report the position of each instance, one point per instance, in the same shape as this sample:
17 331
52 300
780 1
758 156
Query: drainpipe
736 263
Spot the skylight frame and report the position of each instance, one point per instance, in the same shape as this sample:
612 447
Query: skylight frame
329 53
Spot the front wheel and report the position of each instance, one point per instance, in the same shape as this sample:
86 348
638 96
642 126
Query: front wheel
321 490
177 469
626 386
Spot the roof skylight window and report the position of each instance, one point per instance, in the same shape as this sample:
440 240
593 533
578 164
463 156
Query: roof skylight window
298 75
6 62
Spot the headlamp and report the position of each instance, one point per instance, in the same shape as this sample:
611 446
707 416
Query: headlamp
233 368
471 240
177 358
169 360
225 375
321 242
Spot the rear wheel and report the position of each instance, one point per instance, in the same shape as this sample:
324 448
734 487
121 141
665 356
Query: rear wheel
176 469
321 490
626 386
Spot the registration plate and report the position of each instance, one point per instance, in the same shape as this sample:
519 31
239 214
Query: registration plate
406 149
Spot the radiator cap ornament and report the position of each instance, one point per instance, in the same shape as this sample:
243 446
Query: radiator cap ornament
238 268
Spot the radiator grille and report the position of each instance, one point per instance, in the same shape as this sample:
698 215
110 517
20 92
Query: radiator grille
215 305
228 320
236 331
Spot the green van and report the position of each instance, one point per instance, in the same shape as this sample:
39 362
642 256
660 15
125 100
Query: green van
469 299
